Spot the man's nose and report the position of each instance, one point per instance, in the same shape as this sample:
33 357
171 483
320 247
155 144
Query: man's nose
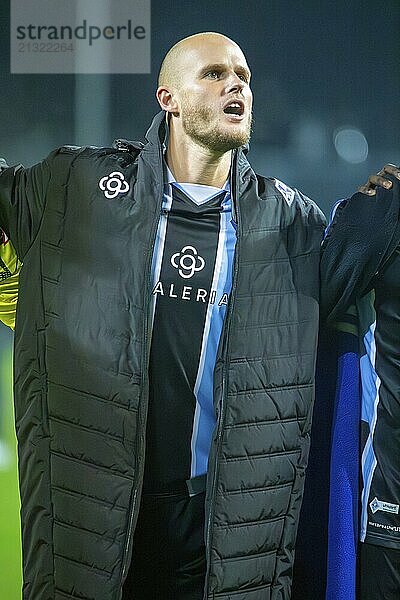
234 83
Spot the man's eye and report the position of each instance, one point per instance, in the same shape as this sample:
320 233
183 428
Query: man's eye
212 74
243 78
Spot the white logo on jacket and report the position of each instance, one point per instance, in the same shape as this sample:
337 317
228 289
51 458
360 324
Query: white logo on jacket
187 261
113 184
285 190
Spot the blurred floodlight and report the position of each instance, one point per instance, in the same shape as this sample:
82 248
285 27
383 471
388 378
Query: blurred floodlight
351 144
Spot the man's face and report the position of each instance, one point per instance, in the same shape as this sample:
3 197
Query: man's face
215 99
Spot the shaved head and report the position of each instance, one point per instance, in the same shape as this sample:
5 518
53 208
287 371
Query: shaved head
171 67
204 85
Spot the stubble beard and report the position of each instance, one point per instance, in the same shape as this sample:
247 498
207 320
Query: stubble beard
199 123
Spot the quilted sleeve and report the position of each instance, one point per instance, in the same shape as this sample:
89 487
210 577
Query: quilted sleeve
22 201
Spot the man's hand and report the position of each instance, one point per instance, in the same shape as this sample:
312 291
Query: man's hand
379 180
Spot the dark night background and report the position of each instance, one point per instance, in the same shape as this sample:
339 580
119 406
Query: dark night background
318 67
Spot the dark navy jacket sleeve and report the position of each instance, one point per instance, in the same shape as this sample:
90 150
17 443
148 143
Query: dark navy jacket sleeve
364 233
22 201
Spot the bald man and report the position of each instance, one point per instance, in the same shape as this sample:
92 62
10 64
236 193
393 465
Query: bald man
164 352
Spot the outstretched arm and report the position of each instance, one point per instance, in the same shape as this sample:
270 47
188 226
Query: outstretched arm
363 234
22 201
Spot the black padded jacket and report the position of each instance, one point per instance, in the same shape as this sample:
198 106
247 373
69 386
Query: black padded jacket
84 223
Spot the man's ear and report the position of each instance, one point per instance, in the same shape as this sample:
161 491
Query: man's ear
167 100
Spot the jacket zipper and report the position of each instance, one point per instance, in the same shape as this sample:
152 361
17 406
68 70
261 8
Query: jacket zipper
142 417
221 419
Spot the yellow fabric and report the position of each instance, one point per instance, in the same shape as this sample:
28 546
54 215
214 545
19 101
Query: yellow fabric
10 267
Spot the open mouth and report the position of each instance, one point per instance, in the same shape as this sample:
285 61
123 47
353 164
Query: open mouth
234 108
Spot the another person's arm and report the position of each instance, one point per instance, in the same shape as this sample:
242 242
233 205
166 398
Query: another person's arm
9 274
364 232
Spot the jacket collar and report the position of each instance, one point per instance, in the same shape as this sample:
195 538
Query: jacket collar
156 135
152 153
157 132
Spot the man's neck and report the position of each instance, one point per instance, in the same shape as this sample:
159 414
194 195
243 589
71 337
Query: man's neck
191 163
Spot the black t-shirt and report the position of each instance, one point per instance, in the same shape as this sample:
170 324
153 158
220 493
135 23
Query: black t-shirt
380 430
192 277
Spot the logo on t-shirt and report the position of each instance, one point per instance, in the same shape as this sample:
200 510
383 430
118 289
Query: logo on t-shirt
188 262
